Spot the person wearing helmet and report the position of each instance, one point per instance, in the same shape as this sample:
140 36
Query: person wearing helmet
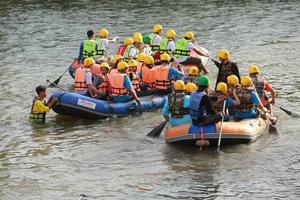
190 87
183 48
155 36
262 86
165 74
148 75
88 47
232 85
134 76
133 50
121 89
176 108
249 100
101 82
167 43
201 110
225 66
193 74
116 60
146 47
39 106
218 97
140 61
122 47
103 42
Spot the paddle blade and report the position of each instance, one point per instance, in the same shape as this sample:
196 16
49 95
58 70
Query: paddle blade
157 130
290 113
55 82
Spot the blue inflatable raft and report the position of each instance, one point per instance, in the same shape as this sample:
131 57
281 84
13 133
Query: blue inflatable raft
78 105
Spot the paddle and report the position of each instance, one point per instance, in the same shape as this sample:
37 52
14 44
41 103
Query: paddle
221 128
82 196
55 85
172 56
58 79
157 130
288 112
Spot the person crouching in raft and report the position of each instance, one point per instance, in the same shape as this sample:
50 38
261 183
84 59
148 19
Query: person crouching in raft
201 110
121 86
39 107
176 108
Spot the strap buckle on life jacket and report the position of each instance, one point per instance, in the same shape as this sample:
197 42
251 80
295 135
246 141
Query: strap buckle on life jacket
100 52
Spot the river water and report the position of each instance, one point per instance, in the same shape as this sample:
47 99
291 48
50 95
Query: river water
113 158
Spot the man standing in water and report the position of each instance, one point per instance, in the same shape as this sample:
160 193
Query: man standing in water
39 107
225 66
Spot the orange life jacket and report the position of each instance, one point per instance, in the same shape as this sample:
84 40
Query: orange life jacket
80 82
135 81
95 68
162 81
113 71
149 77
103 87
116 82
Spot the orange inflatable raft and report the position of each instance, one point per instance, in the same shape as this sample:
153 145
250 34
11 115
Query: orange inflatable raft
244 131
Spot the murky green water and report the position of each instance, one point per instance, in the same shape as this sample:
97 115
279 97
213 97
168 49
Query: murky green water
113 159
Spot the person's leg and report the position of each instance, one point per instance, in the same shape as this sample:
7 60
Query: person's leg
195 61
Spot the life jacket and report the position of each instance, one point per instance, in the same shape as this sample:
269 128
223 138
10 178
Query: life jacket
181 48
164 45
100 51
116 82
139 67
127 51
226 70
103 87
121 50
135 81
245 95
259 83
80 82
149 77
37 116
217 100
113 71
195 111
153 47
162 81
150 51
89 48
176 105
95 68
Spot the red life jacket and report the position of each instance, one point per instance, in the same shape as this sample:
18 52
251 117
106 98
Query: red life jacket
121 50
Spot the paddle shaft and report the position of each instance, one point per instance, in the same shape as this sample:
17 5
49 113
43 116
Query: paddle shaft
58 79
221 128
57 86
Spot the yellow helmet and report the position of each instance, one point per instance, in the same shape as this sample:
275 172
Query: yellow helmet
253 69
116 58
189 35
128 41
103 32
149 60
221 86
193 71
141 57
156 28
88 61
138 39
105 65
190 87
179 85
246 81
232 80
137 34
122 65
165 57
132 63
223 54
171 33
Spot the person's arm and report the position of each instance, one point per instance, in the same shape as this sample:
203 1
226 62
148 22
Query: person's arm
166 112
129 86
269 88
113 40
199 52
80 56
207 105
217 64
236 98
130 76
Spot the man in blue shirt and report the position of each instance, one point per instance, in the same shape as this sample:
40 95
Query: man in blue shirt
88 47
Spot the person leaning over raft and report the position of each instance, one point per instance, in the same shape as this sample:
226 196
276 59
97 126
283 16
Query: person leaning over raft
103 42
39 107
88 47
120 85
200 106
176 109
226 67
